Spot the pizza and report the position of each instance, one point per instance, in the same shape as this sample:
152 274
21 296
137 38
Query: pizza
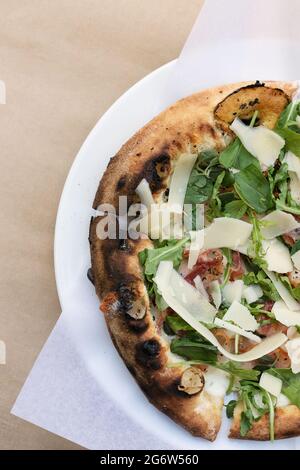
199 275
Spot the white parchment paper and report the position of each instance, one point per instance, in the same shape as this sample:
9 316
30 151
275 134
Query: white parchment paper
232 40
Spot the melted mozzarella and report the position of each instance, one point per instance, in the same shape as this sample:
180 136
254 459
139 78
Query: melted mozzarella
293 349
216 381
261 142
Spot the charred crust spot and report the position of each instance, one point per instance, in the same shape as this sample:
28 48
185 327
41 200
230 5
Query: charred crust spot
137 326
121 183
126 296
207 129
151 347
148 354
123 244
155 171
90 276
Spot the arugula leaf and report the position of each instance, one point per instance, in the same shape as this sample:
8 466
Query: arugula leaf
254 189
215 205
280 188
295 247
256 403
228 254
191 349
235 155
171 250
294 291
261 279
235 209
233 368
287 128
176 323
256 247
291 384
230 408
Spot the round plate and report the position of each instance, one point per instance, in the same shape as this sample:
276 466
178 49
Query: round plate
72 259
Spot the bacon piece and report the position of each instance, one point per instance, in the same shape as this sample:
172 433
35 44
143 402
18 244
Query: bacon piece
209 266
237 269
271 328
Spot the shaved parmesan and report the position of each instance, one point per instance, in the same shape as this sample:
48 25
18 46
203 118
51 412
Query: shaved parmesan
277 223
236 329
296 259
232 291
294 187
277 256
271 384
252 293
293 349
200 287
283 292
197 238
215 292
261 142
241 316
284 315
293 163
242 248
179 181
265 347
282 401
189 297
144 192
226 232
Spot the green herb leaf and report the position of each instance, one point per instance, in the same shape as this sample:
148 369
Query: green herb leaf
246 422
237 156
176 323
291 384
254 189
286 127
197 350
230 408
295 247
261 279
235 209
171 250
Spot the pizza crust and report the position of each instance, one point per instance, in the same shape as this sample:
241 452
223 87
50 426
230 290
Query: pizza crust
287 424
187 126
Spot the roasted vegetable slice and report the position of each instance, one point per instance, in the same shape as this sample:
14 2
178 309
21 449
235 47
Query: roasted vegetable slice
242 103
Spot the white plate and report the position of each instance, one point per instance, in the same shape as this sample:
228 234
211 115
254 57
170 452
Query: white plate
72 259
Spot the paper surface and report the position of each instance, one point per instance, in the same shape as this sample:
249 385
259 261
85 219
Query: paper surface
235 40
61 394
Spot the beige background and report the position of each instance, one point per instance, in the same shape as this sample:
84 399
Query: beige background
64 62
